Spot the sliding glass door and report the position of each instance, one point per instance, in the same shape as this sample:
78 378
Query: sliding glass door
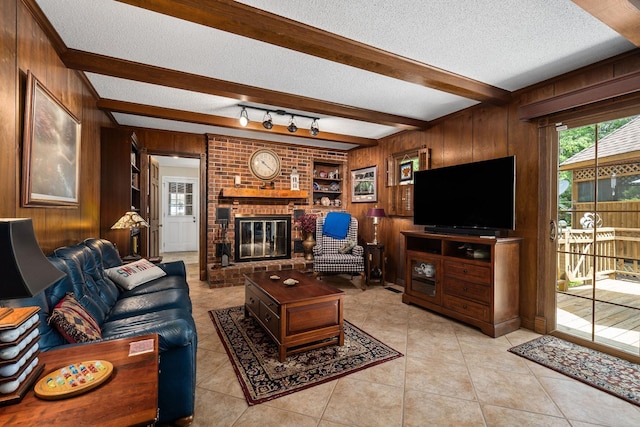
598 233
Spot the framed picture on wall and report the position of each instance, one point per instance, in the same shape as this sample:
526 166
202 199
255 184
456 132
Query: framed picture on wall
51 150
406 171
364 186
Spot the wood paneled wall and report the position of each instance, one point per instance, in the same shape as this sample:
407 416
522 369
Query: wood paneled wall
172 143
479 133
23 47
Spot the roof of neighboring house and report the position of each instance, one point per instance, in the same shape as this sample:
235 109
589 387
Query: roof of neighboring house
623 140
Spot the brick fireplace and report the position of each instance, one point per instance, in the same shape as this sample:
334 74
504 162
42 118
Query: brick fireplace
262 237
227 159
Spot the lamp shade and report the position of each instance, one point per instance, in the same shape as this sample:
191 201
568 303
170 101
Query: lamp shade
376 213
24 269
129 220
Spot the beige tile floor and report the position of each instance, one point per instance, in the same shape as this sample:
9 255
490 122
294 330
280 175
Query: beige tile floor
451 374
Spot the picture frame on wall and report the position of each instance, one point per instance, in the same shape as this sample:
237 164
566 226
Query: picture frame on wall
406 171
51 150
364 185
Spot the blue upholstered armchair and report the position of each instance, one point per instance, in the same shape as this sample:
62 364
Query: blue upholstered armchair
331 255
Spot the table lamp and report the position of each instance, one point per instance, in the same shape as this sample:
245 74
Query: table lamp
131 221
25 272
24 269
375 213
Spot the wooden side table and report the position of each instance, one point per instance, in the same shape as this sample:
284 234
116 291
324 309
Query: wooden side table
129 397
374 263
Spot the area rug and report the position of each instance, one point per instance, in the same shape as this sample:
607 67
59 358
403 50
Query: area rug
263 377
608 373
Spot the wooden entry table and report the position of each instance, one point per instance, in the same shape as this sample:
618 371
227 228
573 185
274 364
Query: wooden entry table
301 317
128 398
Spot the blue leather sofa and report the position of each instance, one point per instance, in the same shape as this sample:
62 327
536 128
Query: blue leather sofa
161 306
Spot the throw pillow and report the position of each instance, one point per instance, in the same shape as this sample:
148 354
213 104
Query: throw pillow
73 322
347 247
128 276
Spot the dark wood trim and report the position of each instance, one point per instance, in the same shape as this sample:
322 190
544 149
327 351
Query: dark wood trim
623 85
621 15
204 218
260 25
91 62
112 105
264 193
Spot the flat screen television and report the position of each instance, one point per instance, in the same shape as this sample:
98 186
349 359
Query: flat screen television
474 198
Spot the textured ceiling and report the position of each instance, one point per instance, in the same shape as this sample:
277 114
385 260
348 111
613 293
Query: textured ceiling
509 44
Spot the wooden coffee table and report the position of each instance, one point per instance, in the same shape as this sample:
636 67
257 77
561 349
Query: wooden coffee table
298 318
128 398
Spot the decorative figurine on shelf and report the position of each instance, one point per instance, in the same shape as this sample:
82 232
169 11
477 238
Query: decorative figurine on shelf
295 179
426 269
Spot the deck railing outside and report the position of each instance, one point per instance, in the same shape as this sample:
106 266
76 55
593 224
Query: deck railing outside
614 251
616 245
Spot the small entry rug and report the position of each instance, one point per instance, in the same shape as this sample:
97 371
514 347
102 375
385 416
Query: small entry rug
608 373
254 357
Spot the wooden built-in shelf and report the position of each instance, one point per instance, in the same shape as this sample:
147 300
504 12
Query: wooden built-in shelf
264 193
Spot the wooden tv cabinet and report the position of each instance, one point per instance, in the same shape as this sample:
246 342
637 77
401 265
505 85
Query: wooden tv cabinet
470 278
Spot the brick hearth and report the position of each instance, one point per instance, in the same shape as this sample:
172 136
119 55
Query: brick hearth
233 275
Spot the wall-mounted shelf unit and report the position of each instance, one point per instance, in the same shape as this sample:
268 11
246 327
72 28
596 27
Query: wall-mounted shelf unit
120 183
328 184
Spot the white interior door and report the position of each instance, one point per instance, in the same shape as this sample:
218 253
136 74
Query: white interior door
179 214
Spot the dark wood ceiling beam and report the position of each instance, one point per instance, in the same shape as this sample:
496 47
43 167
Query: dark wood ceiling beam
100 64
113 105
622 16
613 88
257 24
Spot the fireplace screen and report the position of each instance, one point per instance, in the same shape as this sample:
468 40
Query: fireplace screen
262 237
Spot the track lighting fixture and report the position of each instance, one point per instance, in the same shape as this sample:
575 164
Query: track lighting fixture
314 130
244 117
292 125
267 121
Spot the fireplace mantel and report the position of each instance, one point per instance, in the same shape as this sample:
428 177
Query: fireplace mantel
264 193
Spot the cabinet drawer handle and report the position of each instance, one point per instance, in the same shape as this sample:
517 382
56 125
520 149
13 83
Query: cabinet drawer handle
464 306
270 304
267 318
464 270
464 289
251 300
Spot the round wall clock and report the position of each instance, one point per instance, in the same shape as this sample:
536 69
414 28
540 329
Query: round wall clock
264 164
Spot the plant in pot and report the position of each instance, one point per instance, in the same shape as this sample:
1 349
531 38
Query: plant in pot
307 223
